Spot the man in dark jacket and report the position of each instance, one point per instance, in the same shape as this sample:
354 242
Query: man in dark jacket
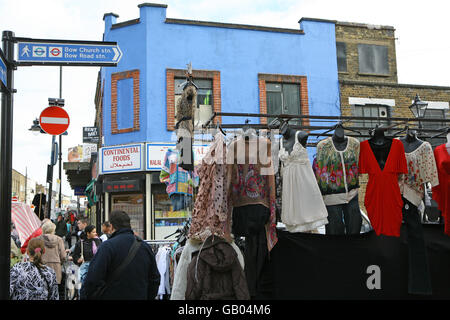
61 227
138 281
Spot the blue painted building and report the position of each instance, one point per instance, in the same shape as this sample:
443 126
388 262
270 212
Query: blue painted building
239 68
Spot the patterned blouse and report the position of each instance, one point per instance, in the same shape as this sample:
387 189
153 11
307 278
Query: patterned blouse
251 179
421 169
27 283
337 171
211 214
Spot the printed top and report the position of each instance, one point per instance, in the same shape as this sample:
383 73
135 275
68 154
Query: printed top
211 215
251 178
176 178
421 169
337 171
28 283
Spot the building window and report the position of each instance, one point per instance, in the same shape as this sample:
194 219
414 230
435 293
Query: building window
435 113
371 110
208 95
283 94
373 59
204 108
341 52
125 101
283 98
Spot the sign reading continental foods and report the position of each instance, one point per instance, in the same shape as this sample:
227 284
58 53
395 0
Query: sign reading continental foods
122 158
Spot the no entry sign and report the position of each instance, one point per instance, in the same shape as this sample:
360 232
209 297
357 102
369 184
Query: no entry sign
54 120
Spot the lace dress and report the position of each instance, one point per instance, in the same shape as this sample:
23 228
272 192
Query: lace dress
303 208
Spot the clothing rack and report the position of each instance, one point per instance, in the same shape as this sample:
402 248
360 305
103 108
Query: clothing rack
423 133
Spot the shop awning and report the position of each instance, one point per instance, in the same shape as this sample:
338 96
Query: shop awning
78 173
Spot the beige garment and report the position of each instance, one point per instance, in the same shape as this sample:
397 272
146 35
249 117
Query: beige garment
55 253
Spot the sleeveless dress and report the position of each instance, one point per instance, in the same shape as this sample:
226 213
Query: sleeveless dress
303 208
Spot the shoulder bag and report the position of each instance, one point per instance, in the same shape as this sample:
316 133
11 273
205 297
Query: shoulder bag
98 293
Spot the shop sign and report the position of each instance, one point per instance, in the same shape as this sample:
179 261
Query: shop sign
123 158
121 186
79 191
157 151
90 135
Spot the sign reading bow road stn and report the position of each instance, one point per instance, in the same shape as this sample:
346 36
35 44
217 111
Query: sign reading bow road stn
66 52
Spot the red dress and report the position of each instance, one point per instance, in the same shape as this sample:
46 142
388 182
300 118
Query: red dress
441 192
383 199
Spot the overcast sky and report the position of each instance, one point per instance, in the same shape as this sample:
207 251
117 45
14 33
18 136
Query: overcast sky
422 33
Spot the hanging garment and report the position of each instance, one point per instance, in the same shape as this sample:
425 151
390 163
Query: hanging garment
419 281
441 192
383 199
178 181
161 262
249 222
344 218
215 273
421 169
303 208
251 178
337 171
180 277
211 214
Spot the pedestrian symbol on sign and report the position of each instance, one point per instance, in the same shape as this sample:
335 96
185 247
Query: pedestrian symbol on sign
26 51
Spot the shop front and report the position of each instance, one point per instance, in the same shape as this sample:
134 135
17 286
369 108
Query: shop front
130 181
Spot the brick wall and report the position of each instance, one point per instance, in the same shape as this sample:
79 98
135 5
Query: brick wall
115 77
280 78
354 34
171 74
403 94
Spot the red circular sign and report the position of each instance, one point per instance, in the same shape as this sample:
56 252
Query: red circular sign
54 120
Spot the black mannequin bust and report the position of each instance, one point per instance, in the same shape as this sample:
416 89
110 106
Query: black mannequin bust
410 141
339 139
380 145
289 137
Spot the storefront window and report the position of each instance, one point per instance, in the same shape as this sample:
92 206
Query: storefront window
133 204
167 221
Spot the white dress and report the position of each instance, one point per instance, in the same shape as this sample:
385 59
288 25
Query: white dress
302 207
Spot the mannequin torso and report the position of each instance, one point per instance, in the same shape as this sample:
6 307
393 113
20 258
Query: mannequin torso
339 139
289 138
411 142
380 146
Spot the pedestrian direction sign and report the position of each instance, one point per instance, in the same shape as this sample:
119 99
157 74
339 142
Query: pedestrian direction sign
66 52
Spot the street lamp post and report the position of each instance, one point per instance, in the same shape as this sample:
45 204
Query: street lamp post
36 128
418 108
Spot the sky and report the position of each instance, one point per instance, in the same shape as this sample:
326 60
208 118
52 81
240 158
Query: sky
421 29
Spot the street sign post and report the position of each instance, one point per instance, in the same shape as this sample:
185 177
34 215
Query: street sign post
54 120
36 52
67 52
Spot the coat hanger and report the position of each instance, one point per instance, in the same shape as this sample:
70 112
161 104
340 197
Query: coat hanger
340 124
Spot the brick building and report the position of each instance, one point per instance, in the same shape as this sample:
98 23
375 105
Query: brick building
238 69
368 81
